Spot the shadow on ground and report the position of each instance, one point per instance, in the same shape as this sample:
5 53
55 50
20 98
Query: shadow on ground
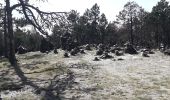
52 91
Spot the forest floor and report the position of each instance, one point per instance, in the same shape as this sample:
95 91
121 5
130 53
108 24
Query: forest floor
81 78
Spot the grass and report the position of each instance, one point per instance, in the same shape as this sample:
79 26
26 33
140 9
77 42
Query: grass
134 78
37 69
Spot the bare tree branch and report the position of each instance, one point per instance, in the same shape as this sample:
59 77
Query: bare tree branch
45 19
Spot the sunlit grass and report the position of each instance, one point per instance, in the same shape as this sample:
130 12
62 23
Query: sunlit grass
134 78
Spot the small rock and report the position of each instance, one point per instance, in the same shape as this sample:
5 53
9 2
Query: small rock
120 59
55 51
66 55
96 59
82 51
145 54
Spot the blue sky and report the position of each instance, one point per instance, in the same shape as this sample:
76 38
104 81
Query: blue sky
110 7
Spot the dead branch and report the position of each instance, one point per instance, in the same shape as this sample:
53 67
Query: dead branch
44 20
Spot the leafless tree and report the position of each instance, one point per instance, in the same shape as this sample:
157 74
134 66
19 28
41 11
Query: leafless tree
39 19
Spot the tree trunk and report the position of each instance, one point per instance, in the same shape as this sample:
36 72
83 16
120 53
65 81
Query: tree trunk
12 57
5 36
131 30
102 35
156 35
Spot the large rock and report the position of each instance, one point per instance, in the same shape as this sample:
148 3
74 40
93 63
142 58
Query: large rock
55 51
75 51
167 52
145 54
149 51
130 49
99 52
113 49
119 53
88 47
21 50
101 46
106 56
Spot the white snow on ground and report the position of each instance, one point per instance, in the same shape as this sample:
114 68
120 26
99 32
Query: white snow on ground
134 78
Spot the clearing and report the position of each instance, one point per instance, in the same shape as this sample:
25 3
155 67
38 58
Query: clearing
80 78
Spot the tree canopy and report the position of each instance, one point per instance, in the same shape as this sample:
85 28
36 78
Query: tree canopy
133 24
